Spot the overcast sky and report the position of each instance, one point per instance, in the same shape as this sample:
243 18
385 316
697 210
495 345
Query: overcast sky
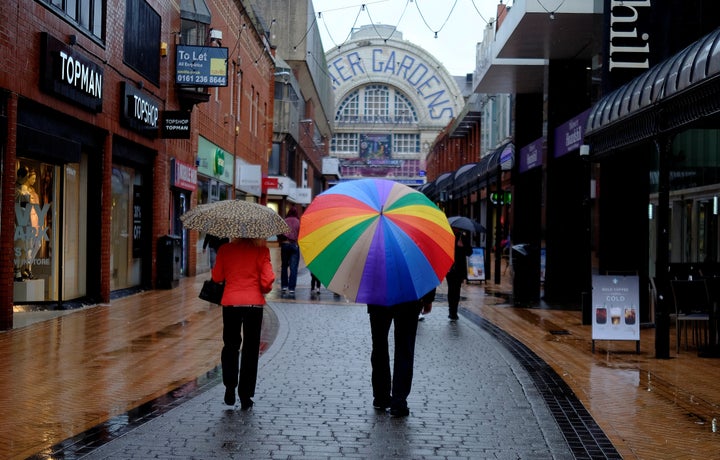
458 24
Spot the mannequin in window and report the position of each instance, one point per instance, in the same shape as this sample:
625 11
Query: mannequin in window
27 248
22 198
35 240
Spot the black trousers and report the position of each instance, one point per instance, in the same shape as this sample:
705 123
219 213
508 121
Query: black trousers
247 320
454 283
393 388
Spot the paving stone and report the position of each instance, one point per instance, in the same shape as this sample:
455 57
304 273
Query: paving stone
470 399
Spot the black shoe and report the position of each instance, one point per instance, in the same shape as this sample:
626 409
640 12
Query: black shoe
230 396
246 404
453 318
399 412
380 404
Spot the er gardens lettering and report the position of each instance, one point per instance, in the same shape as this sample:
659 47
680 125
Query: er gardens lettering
384 62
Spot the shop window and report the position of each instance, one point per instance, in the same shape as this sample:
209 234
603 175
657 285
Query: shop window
126 255
47 268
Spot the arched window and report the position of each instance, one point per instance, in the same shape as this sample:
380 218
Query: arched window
349 108
404 110
377 102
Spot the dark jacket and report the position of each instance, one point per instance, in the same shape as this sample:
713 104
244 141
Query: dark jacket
214 242
420 303
461 252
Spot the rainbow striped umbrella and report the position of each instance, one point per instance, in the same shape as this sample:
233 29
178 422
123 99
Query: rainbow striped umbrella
376 241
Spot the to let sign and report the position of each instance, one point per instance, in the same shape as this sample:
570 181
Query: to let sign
201 66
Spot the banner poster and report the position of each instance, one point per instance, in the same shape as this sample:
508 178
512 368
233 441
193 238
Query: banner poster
615 303
476 265
375 146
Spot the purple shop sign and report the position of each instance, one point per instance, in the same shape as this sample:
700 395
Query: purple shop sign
569 136
531 155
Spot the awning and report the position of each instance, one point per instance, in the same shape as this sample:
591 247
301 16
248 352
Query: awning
472 177
444 182
195 10
468 118
678 91
503 156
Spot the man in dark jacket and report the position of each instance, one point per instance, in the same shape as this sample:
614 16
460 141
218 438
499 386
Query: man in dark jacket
214 243
458 271
391 391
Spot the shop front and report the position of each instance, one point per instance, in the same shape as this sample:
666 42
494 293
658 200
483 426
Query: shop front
58 165
131 223
281 193
655 139
50 197
183 182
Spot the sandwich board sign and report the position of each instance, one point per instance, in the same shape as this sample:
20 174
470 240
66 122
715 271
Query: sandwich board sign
615 308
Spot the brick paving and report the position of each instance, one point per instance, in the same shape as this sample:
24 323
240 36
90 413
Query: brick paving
500 383
471 399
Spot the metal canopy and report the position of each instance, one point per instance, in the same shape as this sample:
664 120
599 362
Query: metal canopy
195 10
473 176
529 37
678 91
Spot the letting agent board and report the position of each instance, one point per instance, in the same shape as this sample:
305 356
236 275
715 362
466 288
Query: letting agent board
615 308
201 66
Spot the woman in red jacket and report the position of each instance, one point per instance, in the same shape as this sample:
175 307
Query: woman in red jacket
244 265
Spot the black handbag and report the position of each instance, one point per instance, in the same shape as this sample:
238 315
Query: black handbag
212 291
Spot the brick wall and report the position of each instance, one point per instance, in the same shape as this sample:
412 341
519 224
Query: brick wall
218 120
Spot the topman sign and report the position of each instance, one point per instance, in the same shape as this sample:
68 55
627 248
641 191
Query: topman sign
67 73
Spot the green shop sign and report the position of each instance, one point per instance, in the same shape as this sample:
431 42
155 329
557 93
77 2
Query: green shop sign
219 163
215 162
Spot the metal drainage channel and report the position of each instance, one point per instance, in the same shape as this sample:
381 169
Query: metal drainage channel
585 438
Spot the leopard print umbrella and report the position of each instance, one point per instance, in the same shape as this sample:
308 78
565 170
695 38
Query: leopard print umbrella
235 219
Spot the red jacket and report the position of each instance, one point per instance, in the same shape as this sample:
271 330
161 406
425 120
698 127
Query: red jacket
246 269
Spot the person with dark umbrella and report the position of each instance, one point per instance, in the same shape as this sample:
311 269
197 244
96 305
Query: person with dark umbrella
458 271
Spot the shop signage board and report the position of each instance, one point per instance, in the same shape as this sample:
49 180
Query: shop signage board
531 155
476 265
176 124
69 74
183 175
248 178
201 66
139 111
615 308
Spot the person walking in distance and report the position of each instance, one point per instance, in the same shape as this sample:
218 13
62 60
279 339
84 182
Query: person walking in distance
458 271
391 390
290 253
214 243
244 265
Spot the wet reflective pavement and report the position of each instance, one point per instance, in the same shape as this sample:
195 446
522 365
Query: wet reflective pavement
73 383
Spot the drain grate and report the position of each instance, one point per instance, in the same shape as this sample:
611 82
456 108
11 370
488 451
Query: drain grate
585 438
560 332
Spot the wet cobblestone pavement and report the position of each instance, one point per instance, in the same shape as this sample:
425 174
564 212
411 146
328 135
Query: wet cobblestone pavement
97 381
